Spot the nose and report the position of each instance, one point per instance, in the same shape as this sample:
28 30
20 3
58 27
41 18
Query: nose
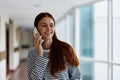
48 28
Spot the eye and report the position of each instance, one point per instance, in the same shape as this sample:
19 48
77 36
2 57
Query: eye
44 25
51 25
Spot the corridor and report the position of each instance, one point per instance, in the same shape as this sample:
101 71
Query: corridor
91 27
20 73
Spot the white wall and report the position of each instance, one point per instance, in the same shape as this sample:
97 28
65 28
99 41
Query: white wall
14 43
3 70
3 20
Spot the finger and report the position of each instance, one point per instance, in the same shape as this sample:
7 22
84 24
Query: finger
40 36
41 40
38 43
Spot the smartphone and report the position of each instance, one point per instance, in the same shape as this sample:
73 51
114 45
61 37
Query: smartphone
35 31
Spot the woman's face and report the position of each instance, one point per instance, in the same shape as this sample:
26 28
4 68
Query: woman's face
46 28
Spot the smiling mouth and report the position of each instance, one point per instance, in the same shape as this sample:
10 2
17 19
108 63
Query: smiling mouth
49 33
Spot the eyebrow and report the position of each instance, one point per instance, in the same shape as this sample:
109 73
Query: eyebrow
46 23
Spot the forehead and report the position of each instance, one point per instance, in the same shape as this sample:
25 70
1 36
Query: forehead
46 20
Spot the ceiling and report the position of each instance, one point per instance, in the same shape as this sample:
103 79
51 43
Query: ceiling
22 12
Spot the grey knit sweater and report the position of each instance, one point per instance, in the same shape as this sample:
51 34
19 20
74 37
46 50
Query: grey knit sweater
38 68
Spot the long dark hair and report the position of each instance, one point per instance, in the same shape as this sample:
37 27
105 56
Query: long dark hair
61 53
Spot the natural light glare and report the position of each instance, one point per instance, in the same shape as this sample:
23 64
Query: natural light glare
116 41
100 41
116 72
116 8
100 71
101 9
100 31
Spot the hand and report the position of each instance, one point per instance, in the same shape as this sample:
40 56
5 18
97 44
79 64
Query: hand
38 44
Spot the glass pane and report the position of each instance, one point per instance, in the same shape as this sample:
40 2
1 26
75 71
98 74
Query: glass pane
100 31
86 31
100 40
93 71
116 40
71 29
100 71
116 8
87 70
116 31
116 72
61 29
94 30
101 9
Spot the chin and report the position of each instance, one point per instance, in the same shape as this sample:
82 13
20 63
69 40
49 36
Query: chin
47 38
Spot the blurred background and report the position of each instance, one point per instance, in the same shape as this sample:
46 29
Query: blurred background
92 27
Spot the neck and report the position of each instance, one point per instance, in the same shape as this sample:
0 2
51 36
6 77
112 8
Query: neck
47 44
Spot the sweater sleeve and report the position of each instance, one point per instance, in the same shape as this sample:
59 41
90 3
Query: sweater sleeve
74 73
36 65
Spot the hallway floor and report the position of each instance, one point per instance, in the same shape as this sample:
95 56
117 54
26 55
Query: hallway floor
20 73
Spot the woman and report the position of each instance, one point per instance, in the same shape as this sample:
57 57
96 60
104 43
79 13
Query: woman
51 59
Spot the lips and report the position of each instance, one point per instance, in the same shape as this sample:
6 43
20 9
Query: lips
48 33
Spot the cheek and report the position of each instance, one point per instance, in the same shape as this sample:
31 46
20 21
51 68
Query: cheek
53 29
41 32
